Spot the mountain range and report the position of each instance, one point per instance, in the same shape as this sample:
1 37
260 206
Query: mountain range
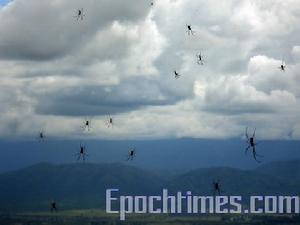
83 185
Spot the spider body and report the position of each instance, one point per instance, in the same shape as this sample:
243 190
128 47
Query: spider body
53 207
200 59
82 153
79 14
282 66
216 187
109 122
41 137
251 143
87 125
131 154
190 31
176 74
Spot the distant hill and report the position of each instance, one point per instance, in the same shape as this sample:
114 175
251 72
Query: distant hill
233 182
73 185
83 185
286 169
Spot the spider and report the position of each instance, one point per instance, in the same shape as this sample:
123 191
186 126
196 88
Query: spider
152 3
87 125
200 60
53 207
109 122
176 74
251 144
190 30
216 186
282 66
79 14
82 153
131 154
41 137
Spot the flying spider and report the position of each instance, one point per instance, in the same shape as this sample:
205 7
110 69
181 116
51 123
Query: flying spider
282 66
87 125
53 207
216 186
200 59
41 137
79 14
190 30
251 144
109 122
176 74
131 154
82 153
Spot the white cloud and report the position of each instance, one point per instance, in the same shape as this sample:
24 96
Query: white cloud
120 60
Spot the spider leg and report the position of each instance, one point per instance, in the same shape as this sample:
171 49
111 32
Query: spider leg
254 156
261 156
254 133
79 156
246 134
246 151
257 154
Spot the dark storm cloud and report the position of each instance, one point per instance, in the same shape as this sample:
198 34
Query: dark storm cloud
130 95
43 30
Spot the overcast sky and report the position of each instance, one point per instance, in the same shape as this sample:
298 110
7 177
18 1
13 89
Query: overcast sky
55 71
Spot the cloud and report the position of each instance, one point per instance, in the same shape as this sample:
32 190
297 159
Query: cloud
56 71
43 30
234 95
94 100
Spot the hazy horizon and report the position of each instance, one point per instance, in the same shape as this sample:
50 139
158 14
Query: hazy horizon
177 155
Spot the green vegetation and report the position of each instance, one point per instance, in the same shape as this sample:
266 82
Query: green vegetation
98 217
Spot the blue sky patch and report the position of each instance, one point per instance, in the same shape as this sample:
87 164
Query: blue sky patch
4 2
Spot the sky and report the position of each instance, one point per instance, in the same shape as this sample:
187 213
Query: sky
4 2
119 61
